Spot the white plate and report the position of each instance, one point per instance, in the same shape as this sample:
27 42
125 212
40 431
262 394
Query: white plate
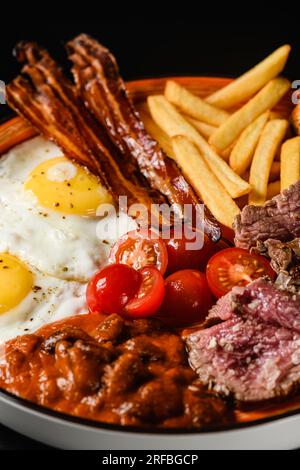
66 432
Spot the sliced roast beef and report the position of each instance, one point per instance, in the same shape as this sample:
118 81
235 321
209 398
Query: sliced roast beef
267 302
290 281
285 260
279 253
250 359
224 308
261 300
255 353
278 219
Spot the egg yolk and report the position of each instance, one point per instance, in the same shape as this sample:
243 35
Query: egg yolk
63 186
16 282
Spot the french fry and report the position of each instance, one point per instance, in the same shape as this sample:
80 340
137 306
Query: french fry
157 133
173 123
273 189
265 99
194 106
268 143
290 162
274 173
205 129
242 153
225 154
250 82
203 180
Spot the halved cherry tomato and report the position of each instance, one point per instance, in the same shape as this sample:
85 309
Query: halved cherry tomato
235 267
181 255
187 298
150 296
140 248
111 288
118 288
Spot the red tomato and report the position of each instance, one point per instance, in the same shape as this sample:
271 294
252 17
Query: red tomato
118 288
111 288
187 298
180 256
235 267
140 248
150 296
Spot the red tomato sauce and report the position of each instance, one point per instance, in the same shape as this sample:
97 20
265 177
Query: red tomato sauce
130 373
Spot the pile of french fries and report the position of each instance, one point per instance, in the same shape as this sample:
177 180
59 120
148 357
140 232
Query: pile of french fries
231 146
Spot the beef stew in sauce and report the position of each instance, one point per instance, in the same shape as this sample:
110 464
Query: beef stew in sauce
132 373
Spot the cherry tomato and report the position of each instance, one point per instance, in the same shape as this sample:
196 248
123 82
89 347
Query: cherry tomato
181 256
111 288
118 288
187 298
150 296
140 248
235 267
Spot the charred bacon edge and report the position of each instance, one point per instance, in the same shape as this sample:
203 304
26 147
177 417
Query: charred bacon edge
98 81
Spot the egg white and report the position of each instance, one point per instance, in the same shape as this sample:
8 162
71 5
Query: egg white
49 300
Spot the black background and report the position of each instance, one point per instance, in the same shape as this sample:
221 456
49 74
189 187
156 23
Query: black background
150 49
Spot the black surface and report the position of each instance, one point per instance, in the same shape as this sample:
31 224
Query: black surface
10 440
149 49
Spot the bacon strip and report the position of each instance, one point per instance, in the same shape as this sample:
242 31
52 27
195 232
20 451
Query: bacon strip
99 83
44 96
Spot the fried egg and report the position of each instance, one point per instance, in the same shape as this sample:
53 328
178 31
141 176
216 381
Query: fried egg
29 299
50 243
47 212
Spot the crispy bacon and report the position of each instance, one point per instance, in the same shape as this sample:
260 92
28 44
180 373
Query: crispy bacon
44 96
99 83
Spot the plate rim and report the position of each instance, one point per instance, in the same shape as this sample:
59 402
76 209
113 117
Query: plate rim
98 425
